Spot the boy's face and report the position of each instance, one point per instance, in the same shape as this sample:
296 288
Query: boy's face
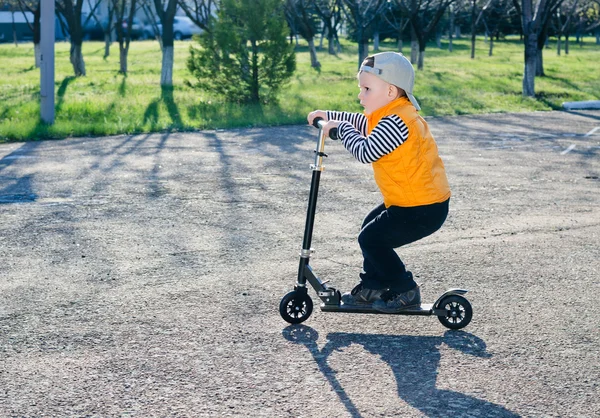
374 92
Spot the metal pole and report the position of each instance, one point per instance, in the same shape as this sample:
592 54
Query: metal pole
47 23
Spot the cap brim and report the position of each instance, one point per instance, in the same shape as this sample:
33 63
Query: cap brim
413 101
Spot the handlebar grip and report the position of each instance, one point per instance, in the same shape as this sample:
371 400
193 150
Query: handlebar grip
319 123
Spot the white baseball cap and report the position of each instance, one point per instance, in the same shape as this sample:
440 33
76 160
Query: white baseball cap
396 69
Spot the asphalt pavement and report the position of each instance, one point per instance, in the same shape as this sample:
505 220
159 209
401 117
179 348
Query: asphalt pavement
141 276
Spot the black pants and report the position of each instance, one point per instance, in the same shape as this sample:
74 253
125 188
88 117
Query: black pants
385 229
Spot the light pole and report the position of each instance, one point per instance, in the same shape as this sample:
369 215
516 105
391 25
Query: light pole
47 24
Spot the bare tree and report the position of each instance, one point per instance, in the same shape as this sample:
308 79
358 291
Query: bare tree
330 12
397 21
424 16
124 12
107 27
165 10
148 8
199 11
71 10
362 13
33 7
534 20
564 23
298 13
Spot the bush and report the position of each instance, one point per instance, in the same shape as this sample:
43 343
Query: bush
245 55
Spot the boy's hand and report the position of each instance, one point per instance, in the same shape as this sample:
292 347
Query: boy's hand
329 126
316 114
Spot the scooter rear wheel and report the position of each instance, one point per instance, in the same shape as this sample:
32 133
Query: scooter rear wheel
296 307
458 312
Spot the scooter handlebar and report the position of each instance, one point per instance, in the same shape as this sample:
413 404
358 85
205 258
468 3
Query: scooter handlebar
319 123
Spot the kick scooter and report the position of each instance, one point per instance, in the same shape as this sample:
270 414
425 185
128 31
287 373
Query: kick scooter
452 309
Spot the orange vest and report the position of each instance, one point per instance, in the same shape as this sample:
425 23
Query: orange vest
413 174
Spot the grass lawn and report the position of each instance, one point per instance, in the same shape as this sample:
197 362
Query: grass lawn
106 102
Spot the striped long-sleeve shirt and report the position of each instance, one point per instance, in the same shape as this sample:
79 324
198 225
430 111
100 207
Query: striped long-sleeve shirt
389 134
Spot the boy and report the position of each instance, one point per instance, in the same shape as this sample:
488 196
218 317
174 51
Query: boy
392 137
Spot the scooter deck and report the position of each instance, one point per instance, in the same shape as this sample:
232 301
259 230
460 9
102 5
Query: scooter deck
424 310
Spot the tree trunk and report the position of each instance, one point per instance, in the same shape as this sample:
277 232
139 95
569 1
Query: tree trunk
491 46
254 97
530 66
106 45
14 29
451 29
123 53
314 62
473 30
363 47
376 41
37 36
400 44
558 45
421 58
414 46
166 72
76 57
38 54
566 44
331 43
539 64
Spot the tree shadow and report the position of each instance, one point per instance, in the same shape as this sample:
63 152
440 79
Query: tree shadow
26 70
166 96
582 113
414 360
17 190
62 89
123 86
152 111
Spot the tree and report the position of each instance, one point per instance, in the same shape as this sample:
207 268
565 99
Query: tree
33 7
165 9
107 27
534 20
424 16
245 56
564 24
362 14
199 11
330 12
71 11
121 7
300 16
394 17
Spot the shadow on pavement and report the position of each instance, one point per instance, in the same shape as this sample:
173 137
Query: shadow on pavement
414 361
19 189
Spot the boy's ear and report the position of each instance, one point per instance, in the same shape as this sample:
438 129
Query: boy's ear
394 92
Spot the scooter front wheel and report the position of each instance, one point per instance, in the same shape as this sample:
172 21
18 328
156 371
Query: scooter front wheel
458 312
296 307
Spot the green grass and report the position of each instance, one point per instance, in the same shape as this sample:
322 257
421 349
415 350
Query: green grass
106 102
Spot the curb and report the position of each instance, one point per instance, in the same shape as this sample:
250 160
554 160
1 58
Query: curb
590 104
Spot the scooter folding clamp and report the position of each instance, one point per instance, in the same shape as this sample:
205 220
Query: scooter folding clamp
317 167
307 253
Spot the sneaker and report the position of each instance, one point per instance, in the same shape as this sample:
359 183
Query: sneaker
393 302
362 296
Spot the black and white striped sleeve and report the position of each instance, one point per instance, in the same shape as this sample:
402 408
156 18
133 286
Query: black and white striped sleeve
389 134
358 120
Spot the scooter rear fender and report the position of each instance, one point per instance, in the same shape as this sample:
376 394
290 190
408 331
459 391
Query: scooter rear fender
449 292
